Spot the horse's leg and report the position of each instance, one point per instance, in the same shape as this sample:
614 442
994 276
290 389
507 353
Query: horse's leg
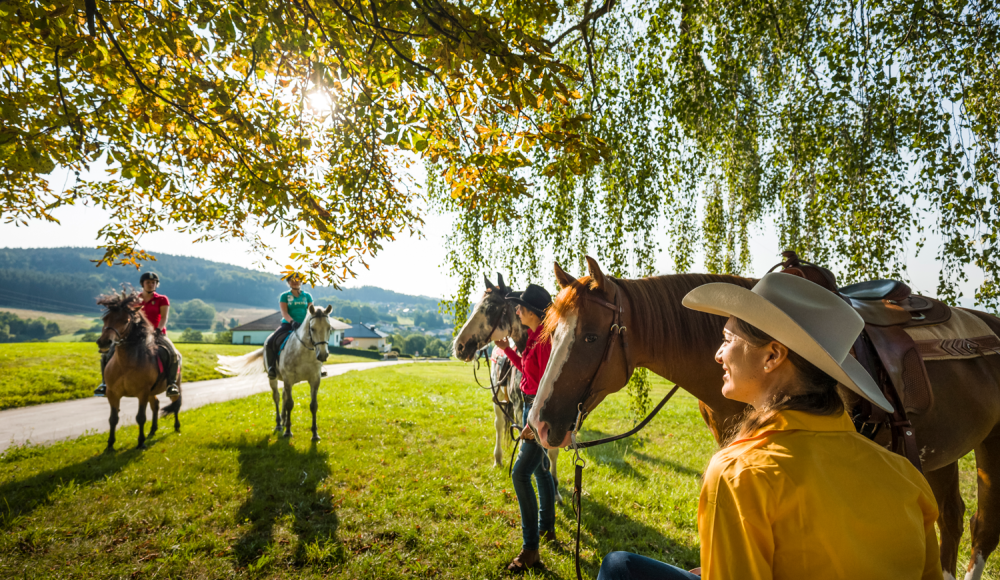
314 404
140 420
286 410
113 421
553 458
985 523
951 513
277 405
500 423
154 408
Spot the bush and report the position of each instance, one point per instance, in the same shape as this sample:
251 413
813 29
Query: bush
224 337
191 335
414 343
90 337
373 347
220 326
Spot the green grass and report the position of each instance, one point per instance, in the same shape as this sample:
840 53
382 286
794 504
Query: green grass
32 373
401 486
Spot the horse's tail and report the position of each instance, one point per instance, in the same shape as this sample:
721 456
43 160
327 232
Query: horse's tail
249 364
171 408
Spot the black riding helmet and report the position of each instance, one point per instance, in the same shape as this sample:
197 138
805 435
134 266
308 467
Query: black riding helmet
148 276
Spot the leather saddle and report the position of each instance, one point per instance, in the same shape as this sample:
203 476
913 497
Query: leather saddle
885 349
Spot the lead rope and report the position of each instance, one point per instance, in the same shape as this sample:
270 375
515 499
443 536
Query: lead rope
579 463
515 429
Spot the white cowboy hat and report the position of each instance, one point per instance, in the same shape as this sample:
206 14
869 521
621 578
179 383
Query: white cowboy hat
802 315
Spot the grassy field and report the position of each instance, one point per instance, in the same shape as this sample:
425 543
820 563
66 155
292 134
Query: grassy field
68 323
401 486
40 372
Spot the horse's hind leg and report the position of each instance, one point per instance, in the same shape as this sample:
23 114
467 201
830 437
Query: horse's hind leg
314 405
499 422
113 421
154 408
553 458
985 523
286 410
277 405
140 420
951 513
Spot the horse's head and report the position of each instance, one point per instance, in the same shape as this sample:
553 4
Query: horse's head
492 319
121 315
319 330
588 360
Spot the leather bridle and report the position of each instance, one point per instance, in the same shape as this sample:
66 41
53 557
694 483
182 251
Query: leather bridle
617 330
309 330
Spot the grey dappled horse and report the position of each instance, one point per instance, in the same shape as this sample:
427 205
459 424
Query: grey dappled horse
306 349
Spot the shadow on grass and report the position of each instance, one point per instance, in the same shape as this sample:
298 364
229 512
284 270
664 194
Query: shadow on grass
606 530
283 484
24 496
613 455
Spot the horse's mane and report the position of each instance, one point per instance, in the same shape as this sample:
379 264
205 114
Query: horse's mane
655 305
140 339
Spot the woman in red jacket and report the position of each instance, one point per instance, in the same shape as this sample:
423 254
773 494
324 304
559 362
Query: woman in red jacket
532 459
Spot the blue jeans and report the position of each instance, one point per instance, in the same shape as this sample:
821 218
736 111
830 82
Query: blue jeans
537 515
628 566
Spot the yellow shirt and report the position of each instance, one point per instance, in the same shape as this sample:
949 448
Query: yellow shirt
807 498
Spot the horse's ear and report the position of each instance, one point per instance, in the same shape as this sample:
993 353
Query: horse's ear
489 285
564 279
329 309
596 273
500 283
312 309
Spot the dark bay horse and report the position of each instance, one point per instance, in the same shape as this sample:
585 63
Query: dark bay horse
680 345
132 370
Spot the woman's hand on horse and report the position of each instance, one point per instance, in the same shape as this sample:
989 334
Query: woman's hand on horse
502 343
527 433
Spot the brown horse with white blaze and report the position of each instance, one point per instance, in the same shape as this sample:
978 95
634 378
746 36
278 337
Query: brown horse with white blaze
592 359
132 370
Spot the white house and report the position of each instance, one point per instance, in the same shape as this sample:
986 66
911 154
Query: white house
362 337
257 331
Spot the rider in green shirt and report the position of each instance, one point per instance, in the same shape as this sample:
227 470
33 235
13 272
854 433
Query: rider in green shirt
294 306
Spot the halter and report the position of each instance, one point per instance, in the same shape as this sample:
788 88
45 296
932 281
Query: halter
120 335
309 330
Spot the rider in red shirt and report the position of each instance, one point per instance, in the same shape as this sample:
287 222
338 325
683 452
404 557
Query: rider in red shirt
156 307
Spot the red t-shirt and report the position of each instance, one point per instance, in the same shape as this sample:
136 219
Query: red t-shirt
152 308
532 364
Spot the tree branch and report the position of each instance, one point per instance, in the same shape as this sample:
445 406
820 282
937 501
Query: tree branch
583 24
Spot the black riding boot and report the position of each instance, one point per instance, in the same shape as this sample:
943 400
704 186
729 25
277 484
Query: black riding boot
102 389
271 357
172 369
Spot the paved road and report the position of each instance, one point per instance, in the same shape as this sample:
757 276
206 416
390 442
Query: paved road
69 419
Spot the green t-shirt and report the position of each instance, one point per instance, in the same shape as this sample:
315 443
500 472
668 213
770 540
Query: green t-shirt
297 307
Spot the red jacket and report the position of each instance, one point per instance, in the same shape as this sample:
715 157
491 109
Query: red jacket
152 308
532 363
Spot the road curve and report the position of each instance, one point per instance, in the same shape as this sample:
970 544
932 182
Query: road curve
51 422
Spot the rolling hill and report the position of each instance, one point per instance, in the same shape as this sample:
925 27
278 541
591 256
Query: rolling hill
66 280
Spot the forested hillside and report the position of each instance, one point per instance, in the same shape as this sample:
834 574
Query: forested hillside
65 280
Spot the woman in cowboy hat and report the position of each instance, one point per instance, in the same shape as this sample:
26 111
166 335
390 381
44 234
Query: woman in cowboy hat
796 492
532 459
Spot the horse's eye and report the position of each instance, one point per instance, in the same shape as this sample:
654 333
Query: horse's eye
590 338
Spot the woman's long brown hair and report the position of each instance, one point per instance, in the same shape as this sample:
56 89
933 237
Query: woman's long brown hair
818 393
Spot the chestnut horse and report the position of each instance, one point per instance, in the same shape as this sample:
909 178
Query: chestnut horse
680 345
132 370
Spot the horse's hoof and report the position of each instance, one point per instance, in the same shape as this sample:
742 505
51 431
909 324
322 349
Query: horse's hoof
287 434
315 438
142 446
109 449
277 429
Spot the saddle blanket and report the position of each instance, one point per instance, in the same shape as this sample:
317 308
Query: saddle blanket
963 336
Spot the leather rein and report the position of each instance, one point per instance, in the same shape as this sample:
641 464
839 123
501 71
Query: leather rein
617 330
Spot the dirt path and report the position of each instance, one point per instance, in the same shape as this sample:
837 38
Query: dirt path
52 422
